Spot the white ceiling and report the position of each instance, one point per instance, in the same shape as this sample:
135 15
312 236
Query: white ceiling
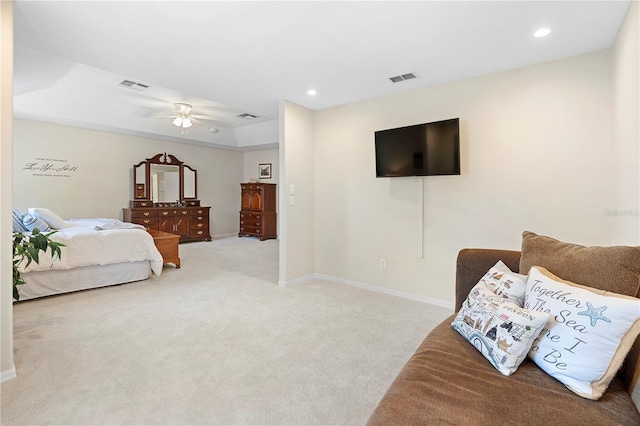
226 58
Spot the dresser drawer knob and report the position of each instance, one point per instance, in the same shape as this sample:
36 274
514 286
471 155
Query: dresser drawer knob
165 213
146 213
199 232
146 221
199 217
199 225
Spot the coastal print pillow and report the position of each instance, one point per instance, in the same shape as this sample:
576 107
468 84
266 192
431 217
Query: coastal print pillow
31 222
504 283
498 327
52 219
588 335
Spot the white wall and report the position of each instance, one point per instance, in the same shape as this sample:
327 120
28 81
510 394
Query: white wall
297 244
102 185
536 147
258 134
7 369
625 207
253 158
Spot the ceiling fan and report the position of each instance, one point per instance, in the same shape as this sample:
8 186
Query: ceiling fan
183 117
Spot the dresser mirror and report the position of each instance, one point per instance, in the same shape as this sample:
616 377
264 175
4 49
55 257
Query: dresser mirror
164 180
190 179
139 181
165 183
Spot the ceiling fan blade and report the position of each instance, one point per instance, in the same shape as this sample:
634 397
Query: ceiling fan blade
206 117
163 117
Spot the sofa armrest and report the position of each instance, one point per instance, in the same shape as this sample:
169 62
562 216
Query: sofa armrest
472 264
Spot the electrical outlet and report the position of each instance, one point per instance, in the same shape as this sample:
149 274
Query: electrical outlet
383 263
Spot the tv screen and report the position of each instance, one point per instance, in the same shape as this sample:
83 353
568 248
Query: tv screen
427 149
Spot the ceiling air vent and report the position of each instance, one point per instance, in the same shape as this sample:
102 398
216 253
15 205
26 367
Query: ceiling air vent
403 77
133 85
247 116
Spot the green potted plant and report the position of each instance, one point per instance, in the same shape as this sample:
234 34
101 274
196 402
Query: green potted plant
28 246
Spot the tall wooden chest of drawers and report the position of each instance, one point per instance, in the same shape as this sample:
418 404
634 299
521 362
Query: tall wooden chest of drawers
258 211
191 222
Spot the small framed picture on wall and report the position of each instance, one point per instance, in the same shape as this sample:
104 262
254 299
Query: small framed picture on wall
264 171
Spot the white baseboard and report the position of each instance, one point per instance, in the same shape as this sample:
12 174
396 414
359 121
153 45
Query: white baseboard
297 280
8 374
378 289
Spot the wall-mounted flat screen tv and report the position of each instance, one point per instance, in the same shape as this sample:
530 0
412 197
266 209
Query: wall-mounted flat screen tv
427 149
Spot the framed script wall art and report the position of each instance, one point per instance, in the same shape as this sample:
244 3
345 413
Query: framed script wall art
264 171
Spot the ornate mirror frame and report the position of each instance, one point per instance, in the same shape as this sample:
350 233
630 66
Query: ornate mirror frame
142 178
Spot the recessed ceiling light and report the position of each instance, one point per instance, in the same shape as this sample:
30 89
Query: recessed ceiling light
542 32
311 92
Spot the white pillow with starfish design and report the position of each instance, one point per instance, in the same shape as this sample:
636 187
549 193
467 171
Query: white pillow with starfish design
588 335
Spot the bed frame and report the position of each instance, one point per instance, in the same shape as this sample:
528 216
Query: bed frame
58 281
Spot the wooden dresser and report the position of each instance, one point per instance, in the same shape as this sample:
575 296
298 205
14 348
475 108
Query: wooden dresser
190 221
258 211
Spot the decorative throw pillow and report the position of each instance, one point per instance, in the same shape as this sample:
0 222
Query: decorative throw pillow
17 221
32 222
503 282
615 268
52 219
588 334
497 326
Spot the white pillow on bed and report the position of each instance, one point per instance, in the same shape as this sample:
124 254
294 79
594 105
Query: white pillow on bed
52 219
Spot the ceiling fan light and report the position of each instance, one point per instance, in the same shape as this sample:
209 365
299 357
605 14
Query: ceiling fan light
182 108
186 123
177 122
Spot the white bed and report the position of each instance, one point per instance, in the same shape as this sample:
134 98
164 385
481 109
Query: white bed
92 258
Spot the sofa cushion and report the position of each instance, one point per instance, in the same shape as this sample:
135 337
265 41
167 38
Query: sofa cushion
493 321
615 269
588 334
448 382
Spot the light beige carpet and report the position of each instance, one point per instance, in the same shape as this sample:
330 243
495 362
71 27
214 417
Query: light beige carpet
216 342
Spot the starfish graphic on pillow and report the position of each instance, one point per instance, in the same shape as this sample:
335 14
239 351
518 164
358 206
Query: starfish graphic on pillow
595 314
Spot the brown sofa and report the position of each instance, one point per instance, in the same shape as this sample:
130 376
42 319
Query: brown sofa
447 381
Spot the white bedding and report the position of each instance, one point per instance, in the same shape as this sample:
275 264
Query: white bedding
84 246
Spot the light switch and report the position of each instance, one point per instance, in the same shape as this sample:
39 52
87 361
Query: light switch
292 200
292 189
